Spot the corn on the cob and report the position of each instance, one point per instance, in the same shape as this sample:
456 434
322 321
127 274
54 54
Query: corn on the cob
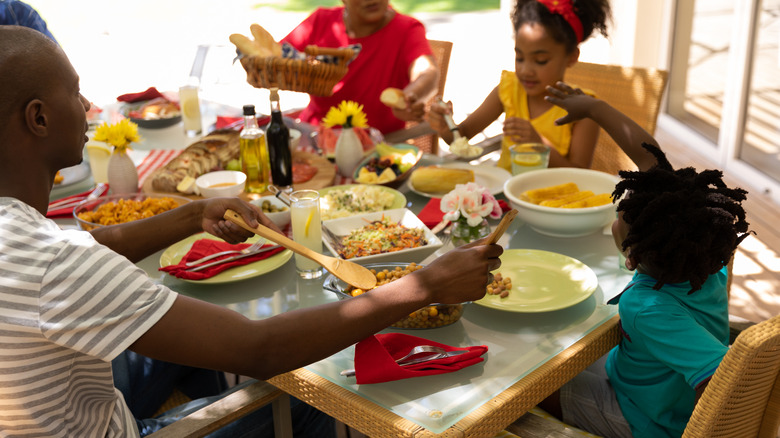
563 200
433 179
538 195
593 201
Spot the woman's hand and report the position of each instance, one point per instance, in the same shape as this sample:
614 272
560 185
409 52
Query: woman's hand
521 131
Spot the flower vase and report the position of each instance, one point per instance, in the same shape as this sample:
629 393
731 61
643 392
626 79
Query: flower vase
463 233
122 174
349 152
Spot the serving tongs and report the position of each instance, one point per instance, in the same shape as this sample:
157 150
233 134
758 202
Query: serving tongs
349 272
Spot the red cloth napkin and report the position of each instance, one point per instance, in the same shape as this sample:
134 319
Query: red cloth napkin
204 247
375 358
67 212
149 94
431 214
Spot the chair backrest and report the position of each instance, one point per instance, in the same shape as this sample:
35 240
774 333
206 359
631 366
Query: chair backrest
441 53
634 91
743 396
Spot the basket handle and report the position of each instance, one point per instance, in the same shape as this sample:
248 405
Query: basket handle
333 51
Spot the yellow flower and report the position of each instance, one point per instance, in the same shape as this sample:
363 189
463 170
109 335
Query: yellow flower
348 114
119 135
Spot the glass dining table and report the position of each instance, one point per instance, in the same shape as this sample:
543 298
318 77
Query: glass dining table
529 355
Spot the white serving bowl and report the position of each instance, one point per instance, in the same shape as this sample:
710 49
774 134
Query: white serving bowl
562 222
280 218
221 183
343 226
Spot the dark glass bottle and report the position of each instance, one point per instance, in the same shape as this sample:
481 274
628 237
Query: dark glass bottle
277 136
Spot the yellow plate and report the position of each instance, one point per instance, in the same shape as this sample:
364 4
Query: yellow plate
178 250
542 281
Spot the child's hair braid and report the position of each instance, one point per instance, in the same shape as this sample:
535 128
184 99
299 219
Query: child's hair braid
683 224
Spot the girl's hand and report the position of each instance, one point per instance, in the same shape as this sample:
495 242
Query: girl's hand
574 101
521 131
436 120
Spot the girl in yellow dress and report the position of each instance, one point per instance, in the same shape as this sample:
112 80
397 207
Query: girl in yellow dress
547 36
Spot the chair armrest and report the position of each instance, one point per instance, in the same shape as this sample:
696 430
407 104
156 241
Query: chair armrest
225 411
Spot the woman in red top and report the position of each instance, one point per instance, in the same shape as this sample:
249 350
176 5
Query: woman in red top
394 53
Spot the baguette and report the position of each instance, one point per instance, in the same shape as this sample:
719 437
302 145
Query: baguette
247 46
434 179
265 40
393 97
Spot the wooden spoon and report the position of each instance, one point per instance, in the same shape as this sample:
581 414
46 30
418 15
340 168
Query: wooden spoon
502 226
352 273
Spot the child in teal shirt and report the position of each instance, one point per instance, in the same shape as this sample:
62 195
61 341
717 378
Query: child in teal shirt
678 229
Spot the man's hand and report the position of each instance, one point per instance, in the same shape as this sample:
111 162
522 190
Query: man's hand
213 219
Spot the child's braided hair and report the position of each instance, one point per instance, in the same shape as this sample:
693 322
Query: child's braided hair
683 224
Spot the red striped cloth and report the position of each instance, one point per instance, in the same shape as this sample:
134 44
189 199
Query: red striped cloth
156 159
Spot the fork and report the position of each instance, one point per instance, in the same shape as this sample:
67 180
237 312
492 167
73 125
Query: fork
254 247
434 353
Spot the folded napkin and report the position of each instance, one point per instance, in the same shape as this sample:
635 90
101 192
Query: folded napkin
203 247
67 212
149 94
375 358
431 214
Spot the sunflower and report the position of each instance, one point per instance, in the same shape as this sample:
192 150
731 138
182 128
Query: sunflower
119 135
348 114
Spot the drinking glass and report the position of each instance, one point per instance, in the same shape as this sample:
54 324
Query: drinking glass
529 156
190 110
307 229
98 153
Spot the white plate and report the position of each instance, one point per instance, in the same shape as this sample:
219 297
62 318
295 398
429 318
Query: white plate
488 176
72 175
178 250
542 281
343 226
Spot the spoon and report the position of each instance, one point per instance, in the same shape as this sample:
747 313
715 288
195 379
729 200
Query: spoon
351 273
460 145
502 226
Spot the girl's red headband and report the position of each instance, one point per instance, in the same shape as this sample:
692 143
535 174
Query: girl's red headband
565 9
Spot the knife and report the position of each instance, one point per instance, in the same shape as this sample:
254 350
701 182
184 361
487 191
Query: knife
230 259
350 373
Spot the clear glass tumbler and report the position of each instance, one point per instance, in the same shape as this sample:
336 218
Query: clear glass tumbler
529 156
307 229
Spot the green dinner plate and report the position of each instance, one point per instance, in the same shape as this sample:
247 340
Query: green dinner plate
398 202
178 250
542 281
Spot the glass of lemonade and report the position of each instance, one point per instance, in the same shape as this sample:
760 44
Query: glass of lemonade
529 156
190 110
306 229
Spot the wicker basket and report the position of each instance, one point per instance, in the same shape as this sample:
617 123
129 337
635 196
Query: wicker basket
306 75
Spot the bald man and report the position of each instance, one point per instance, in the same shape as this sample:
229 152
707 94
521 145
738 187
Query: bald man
71 301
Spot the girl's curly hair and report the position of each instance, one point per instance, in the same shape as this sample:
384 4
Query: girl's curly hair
594 15
684 224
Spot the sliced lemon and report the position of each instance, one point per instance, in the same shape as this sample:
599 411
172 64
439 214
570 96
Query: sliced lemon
528 160
308 223
190 108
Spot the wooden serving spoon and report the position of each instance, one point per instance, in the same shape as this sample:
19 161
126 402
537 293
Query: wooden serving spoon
352 273
502 226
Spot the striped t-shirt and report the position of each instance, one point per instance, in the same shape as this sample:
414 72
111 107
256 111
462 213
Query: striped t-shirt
68 306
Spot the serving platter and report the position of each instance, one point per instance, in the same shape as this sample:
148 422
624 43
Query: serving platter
542 281
488 176
72 175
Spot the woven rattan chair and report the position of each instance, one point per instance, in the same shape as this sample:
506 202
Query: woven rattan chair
634 91
230 408
741 400
420 134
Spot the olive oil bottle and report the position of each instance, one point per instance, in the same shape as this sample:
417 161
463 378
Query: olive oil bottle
254 154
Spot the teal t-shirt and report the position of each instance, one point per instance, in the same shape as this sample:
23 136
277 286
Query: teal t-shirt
671 342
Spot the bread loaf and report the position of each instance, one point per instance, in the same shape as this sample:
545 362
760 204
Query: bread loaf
435 179
393 97
210 153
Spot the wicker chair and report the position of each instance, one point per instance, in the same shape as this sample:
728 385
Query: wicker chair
636 92
230 408
741 400
420 134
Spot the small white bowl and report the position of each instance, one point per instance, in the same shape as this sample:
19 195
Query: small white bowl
221 183
280 218
562 222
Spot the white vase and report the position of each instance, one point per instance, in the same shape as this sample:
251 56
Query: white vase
122 174
349 152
